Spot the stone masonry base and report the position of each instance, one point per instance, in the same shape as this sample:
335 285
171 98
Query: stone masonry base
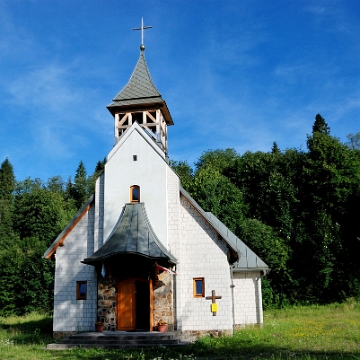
57 335
193 335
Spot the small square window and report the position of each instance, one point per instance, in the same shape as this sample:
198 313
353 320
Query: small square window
135 157
81 290
199 287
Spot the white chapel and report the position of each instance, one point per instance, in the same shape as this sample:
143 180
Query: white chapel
141 250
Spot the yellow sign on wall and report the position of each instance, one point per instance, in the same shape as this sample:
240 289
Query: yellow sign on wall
214 307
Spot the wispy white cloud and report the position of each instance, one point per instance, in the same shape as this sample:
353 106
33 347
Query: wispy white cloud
47 88
17 44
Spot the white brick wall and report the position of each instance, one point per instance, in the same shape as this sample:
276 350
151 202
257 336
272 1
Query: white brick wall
71 314
148 172
174 233
246 298
202 255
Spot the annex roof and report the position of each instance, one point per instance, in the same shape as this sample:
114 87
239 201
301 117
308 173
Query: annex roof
59 241
132 234
247 260
140 91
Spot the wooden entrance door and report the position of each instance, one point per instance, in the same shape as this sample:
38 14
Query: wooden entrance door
135 305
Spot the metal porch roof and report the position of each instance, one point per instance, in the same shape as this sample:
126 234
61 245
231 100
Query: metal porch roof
132 234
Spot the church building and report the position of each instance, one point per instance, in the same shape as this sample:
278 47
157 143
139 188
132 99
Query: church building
141 250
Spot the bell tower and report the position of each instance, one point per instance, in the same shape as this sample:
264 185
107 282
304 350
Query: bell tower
140 101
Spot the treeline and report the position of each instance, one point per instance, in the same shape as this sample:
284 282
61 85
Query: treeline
299 210
32 214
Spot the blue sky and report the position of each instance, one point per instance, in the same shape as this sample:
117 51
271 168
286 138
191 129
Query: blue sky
238 74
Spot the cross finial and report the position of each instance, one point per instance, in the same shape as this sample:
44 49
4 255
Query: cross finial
142 28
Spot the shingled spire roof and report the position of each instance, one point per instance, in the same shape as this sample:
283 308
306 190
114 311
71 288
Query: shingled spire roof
140 92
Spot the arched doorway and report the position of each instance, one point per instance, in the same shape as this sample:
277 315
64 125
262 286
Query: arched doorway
135 305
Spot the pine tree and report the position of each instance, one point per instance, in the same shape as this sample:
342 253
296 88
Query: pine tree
7 185
320 125
275 149
99 169
7 180
80 191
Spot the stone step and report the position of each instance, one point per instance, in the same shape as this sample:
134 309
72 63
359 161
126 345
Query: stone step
118 337
106 346
118 340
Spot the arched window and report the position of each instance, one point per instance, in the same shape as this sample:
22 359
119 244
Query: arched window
135 193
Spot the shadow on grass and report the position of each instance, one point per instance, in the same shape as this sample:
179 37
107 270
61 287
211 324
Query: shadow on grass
34 331
39 332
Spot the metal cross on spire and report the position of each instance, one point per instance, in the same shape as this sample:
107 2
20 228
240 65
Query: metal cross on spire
142 28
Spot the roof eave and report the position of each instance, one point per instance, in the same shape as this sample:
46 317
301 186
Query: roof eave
100 260
250 269
261 266
147 104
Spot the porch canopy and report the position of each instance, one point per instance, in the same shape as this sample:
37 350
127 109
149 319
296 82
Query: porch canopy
132 234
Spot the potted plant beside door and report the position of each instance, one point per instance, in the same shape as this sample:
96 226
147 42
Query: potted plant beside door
99 326
162 326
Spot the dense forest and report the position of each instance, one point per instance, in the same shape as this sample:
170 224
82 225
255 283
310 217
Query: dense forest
32 214
299 210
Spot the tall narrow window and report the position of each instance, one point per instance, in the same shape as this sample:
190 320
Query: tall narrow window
199 287
81 290
135 193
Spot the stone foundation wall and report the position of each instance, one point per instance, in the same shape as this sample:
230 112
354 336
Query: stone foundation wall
107 303
193 335
163 300
238 327
57 335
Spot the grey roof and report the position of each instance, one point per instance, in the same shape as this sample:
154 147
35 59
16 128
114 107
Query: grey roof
247 259
61 237
132 234
140 90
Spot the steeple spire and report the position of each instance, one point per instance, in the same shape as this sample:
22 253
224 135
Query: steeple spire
140 101
142 28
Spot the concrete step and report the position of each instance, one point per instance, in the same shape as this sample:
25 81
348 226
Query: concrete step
119 340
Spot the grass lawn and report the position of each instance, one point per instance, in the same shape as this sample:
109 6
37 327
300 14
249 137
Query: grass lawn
313 332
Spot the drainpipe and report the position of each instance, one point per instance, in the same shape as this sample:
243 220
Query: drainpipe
259 293
232 295
175 312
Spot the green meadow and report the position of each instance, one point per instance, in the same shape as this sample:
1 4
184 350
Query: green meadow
311 332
